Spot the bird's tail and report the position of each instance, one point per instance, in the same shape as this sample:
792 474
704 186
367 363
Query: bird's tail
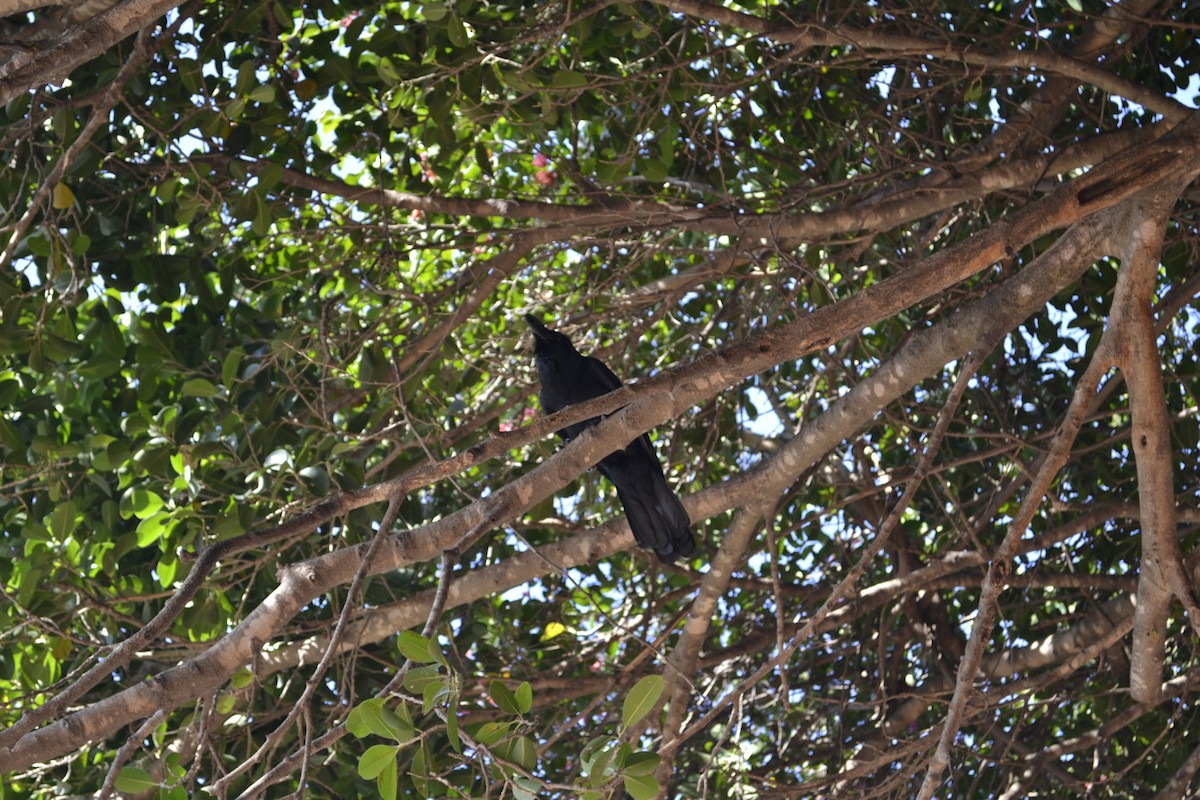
658 520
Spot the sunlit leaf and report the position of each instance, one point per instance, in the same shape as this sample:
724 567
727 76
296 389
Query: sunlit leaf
641 787
62 196
641 699
375 760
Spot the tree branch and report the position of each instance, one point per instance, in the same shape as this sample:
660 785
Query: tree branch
888 45
662 397
1056 456
1161 572
79 44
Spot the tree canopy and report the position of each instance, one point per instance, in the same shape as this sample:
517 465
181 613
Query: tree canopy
902 290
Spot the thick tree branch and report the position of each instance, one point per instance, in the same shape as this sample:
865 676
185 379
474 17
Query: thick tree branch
1161 573
99 116
685 386
905 205
924 354
1055 457
78 44
888 45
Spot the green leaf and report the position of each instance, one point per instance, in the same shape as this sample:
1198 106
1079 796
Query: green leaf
435 652
525 788
154 528
596 767
524 698
641 787
504 697
242 678
229 367
263 93
80 242
62 521
422 768
457 31
140 502
568 79
316 480
414 647
388 781
452 723
387 71
9 389
188 206
520 80
593 748
166 569
39 246
200 387
245 75
277 458
101 365
10 437
262 216
269 174
358 723
641 700
641 763
418 678
375 760
134 780
653 169
491 732
520 750
396 726
374 717
58 348
974 91
433 693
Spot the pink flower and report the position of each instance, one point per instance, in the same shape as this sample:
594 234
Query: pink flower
540 160
427 173
545 177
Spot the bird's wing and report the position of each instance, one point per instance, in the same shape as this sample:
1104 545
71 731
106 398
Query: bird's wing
602 375
606 377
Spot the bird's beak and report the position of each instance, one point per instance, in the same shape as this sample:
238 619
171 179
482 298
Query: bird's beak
540 331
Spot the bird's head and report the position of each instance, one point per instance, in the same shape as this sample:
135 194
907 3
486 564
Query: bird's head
549 347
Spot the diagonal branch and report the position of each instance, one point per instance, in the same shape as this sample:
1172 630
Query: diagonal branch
99 116
924 354
1057 455
1131 215
891 45
653 401
79 44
